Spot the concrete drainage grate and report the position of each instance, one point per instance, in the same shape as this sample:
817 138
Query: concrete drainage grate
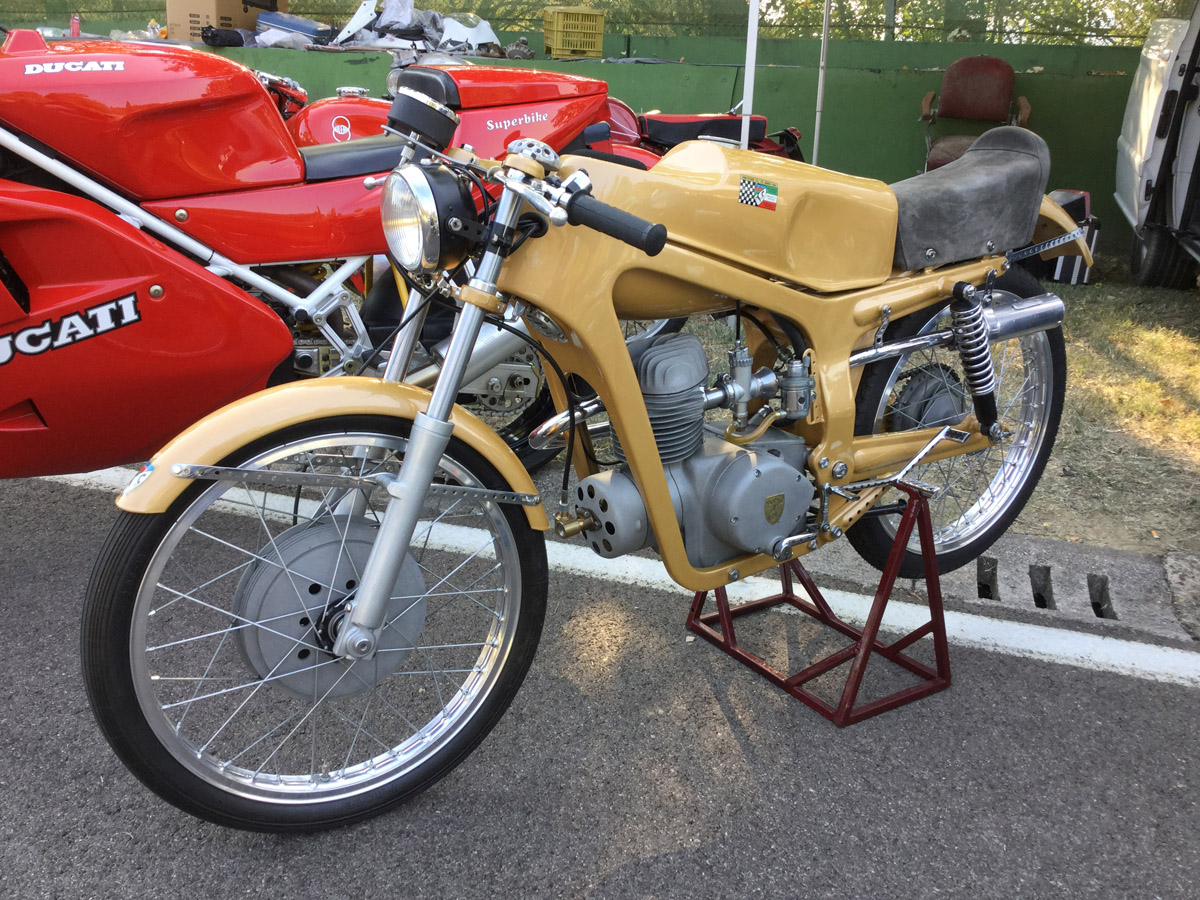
1059 581
1041 587
1102 604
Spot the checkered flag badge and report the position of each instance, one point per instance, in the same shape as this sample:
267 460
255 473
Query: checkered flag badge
750 193
761 194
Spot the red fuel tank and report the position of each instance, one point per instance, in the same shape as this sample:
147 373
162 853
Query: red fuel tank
149 121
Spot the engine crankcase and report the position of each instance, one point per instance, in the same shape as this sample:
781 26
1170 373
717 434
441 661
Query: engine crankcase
728 500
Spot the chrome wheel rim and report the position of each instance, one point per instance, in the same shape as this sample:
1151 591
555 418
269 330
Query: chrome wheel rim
240 731
976 488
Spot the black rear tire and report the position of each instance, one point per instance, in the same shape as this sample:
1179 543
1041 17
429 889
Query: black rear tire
985 491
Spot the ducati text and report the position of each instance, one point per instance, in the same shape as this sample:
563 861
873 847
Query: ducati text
53 334
92 65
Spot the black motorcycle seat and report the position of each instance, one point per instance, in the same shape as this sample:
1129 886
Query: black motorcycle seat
985 202
670 130
433 82
361 156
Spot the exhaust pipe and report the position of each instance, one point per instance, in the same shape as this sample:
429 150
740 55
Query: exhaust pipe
1006 318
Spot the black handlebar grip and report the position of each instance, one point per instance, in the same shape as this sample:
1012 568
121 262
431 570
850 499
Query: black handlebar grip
584 209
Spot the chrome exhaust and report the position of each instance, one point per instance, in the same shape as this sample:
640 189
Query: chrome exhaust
1006 318
553 432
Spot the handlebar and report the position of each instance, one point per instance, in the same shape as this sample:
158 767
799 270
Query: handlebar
584 209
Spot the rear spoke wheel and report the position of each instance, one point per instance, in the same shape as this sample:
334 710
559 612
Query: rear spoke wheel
982 492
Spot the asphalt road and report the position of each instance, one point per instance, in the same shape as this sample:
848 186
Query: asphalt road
632 764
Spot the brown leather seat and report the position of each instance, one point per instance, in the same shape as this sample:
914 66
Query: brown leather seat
977 89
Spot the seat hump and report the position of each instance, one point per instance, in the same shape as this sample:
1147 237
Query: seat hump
985 202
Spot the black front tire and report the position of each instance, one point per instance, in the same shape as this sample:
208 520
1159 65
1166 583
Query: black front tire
207 634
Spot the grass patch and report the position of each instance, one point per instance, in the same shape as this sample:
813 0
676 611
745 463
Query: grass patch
1126 468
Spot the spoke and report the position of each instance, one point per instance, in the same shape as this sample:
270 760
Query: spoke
197 587
255 557
232 615
361 729
424 647
264 737
287 737
274 546
266 679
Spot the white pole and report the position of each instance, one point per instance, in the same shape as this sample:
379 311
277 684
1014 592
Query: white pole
821 80
751 62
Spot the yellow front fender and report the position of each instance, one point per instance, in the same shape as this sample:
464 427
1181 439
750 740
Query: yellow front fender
217 435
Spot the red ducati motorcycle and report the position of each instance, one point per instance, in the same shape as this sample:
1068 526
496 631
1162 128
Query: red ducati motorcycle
169 243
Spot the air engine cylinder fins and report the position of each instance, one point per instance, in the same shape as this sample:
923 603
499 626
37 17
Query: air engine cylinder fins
672 372
971 339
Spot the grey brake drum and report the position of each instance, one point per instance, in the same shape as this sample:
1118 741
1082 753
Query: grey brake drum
289 604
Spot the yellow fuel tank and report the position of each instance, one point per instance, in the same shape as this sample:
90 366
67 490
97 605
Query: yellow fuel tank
803 224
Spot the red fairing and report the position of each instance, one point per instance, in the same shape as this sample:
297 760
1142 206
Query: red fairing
152 121
322 220
337 119
491 130
480 87
497 106
111 343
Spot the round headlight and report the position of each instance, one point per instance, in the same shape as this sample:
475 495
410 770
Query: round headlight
410 220
429 218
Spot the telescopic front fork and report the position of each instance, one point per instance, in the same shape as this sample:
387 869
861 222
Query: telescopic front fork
427 442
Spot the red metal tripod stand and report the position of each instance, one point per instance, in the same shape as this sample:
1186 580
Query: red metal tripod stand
866 642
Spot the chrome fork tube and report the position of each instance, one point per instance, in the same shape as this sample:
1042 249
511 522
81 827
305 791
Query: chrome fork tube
427 442
406 340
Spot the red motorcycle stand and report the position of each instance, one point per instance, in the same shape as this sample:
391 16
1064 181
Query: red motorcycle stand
865 640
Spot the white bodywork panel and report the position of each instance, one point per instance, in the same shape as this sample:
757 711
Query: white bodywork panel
1139 150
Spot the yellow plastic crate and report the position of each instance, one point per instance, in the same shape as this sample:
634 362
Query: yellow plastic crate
573 31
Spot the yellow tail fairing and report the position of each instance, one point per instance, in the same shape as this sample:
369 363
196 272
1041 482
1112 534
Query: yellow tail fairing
216 436
1053 220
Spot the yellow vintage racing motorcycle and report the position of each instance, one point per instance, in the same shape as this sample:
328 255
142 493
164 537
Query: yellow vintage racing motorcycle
318 600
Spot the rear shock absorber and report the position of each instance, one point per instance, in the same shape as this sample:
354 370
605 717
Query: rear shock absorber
971 339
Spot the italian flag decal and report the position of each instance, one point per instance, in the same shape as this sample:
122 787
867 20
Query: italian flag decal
762 194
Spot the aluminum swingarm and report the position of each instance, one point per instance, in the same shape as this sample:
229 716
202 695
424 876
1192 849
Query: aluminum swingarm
317 307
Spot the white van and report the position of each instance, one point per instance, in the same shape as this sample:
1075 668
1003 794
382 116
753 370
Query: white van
1158 153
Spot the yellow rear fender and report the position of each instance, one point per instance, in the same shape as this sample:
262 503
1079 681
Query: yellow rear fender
1053 221
216 436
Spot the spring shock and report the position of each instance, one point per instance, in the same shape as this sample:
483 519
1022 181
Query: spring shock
971 339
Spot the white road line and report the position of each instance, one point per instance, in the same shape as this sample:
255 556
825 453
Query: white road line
1057 645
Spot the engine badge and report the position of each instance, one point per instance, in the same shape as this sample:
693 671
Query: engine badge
773 508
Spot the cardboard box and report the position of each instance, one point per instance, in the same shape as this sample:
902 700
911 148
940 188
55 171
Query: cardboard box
185 18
